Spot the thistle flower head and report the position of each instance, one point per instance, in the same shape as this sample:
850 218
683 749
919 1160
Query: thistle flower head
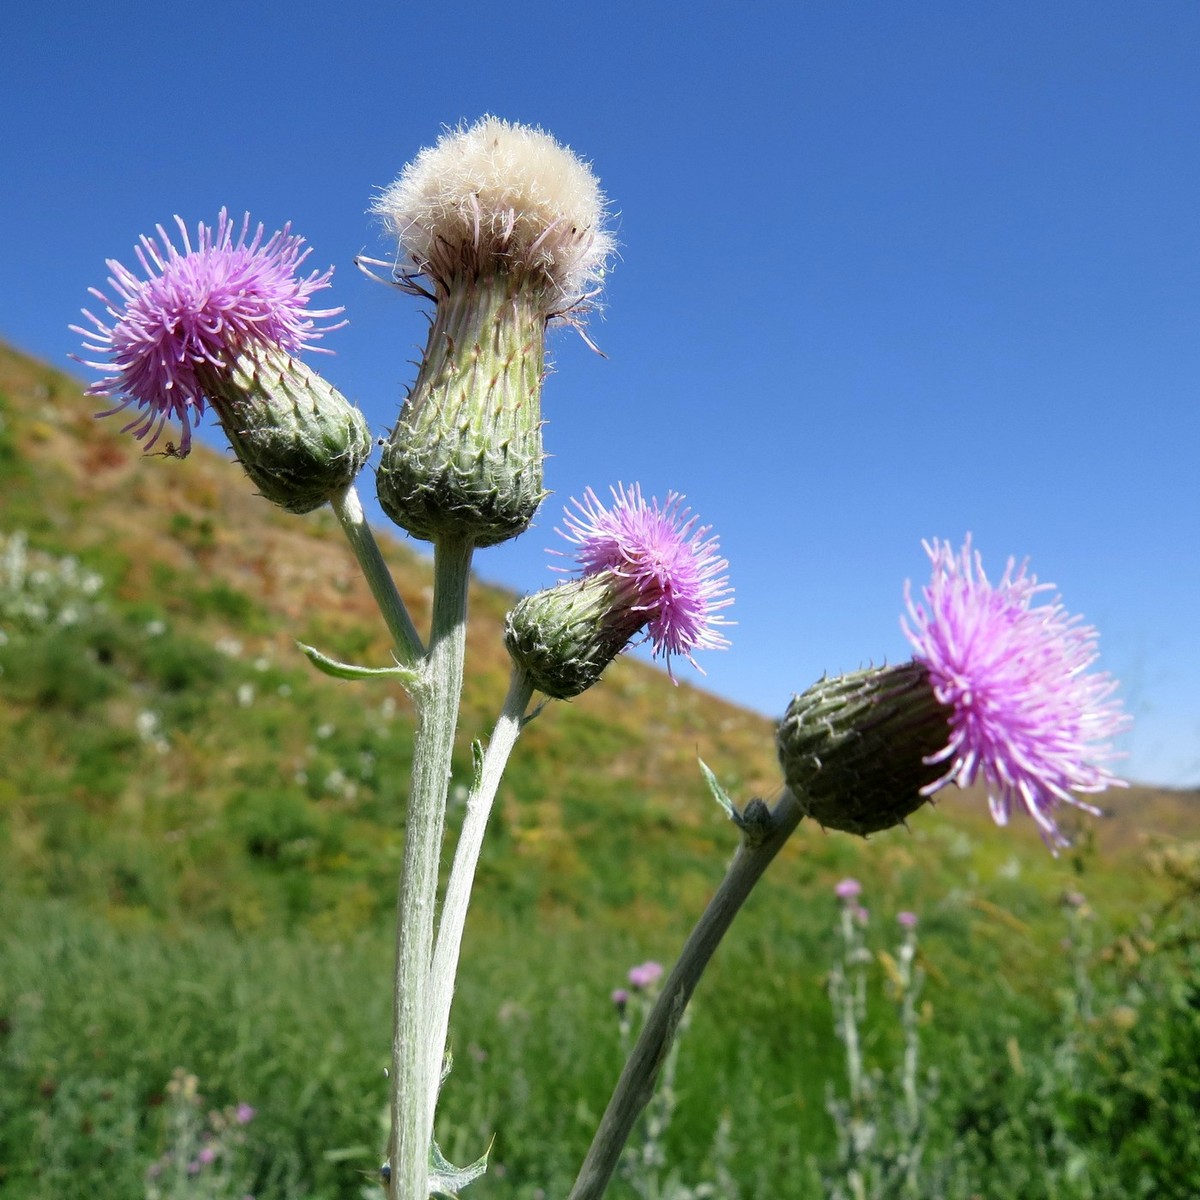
645 974
1025 712
500 196
674 565
848 889
193 313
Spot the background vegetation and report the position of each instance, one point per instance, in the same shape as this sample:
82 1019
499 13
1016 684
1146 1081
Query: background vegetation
200 837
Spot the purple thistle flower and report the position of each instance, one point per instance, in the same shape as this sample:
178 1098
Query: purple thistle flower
619 998
907 920
645 974
191 315
1025 712
675 566
848 889
244 1113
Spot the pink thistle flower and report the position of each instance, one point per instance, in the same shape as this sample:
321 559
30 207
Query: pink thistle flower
907 920
619 998
244 1113
848 889
1025 713
645 974
193 313
675 567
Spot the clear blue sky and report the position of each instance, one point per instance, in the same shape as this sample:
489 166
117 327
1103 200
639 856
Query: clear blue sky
888 271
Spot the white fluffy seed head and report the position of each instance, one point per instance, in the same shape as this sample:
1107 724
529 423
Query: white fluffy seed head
498 195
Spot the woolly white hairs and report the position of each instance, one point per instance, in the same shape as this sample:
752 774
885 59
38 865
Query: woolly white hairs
498 193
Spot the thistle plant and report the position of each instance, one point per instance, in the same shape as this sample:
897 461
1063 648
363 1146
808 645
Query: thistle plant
505 233
204 1155
882 1121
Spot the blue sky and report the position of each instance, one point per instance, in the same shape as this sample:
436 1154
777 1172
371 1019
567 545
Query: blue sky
888 271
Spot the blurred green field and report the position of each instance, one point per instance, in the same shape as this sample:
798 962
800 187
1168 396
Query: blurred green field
199 842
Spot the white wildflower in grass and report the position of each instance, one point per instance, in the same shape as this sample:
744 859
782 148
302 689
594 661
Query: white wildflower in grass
149 729
39 590
146 724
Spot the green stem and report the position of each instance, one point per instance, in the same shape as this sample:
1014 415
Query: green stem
636 1085
348 508
466 858
437 701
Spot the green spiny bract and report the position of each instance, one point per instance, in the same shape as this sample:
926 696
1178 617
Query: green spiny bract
465 457
564 637
854 748
299 439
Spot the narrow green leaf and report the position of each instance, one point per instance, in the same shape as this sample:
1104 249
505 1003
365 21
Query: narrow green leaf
476 764
719 794
341 670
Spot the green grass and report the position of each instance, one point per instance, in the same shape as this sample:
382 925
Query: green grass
95 1014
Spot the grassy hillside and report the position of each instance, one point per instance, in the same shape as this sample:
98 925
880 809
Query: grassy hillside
199 839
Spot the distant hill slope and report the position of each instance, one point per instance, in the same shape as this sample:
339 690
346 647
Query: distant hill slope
177 718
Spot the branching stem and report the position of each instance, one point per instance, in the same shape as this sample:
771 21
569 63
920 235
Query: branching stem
636 1085
466 858
349 511
437 702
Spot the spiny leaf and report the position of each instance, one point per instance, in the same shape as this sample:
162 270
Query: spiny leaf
446 1179
719 794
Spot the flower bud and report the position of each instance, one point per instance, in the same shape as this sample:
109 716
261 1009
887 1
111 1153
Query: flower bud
298 438
855 749
563 637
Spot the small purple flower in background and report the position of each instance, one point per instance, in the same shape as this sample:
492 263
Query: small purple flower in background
847 889
675 566
206 1156
860 914
192 314
645 974
620 998
244 1113
907 920
1026 714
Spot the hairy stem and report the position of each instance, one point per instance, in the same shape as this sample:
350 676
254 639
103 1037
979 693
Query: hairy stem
636 1085
349 511
466 858
437 702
